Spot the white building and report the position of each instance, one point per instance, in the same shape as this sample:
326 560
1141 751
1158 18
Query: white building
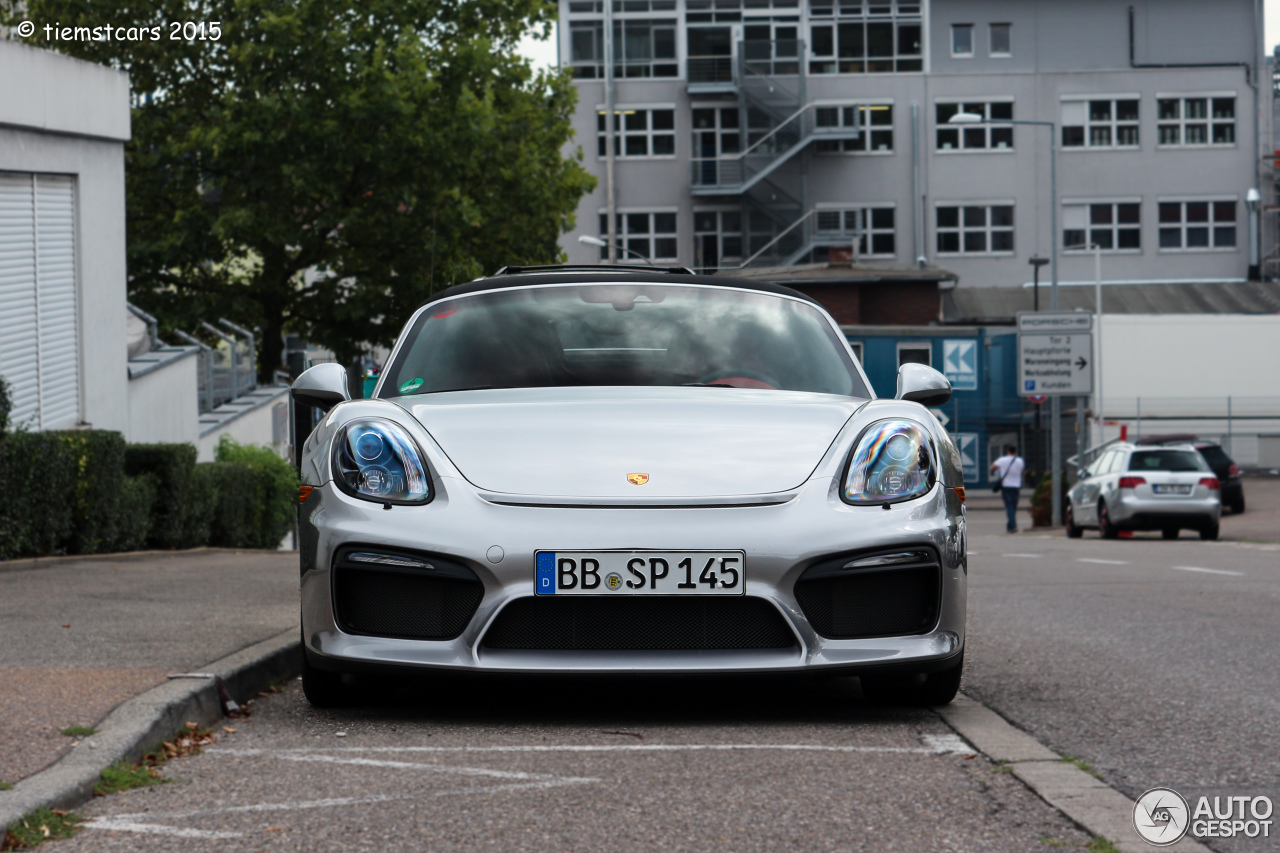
64 324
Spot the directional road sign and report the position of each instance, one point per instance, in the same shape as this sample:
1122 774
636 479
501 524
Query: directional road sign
960 363
1055 354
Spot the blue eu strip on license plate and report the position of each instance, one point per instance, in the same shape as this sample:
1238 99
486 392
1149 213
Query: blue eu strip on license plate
546 574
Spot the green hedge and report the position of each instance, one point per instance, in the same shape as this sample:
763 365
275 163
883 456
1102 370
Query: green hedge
86 492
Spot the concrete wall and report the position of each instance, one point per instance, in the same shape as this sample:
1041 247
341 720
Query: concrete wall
63 116
164 404
255 426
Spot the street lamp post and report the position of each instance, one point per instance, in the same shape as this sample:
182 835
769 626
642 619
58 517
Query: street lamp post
603 244
1055 402
1251 200
1036 262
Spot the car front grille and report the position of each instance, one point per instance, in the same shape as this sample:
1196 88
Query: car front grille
427 598
635 623
894 600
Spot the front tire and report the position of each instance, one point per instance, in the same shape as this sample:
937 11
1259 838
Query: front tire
322 688
937 688
1105 527
1209 534
1073 532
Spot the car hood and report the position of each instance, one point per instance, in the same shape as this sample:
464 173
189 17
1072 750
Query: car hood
583 442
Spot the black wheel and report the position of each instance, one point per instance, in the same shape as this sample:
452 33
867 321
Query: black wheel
1237 504
1073 532
322 688
1209 533
919 690
1105 527
1169 533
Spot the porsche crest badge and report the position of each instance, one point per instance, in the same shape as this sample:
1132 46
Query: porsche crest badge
637 479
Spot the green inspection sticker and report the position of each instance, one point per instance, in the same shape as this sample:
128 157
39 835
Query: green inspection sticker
411 386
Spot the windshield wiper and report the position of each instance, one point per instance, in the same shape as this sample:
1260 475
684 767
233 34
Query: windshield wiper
706 385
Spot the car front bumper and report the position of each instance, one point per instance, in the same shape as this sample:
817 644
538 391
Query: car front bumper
498 543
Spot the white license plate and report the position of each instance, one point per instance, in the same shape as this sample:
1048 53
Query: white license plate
639 573
1171 490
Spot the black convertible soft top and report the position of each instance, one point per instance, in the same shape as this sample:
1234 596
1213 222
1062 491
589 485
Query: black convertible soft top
525 276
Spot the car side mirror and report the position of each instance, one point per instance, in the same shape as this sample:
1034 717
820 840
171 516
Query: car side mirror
323 386
922 384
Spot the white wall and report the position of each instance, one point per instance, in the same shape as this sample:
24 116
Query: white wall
63 116
253 427
164 404
1190 356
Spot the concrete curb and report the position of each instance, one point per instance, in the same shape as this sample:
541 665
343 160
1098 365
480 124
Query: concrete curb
1097 807
145 721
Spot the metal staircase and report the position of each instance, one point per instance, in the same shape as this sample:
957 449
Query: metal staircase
777 124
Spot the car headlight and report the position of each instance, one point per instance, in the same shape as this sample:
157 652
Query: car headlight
376 460
893 461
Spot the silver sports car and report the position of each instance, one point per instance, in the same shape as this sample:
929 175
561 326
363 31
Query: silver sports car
574 469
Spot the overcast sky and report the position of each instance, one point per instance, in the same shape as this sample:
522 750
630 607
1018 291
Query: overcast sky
544 53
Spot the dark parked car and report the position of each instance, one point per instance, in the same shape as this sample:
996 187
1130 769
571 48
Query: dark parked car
1222 465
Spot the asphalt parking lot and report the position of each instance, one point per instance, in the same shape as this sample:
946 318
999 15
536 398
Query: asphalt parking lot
466 764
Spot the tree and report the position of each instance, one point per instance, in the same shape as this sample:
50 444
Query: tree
322 166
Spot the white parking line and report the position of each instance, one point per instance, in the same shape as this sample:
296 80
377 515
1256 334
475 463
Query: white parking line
334 802
1209 571
115 824
398 765
933 745
1102 562
1028 556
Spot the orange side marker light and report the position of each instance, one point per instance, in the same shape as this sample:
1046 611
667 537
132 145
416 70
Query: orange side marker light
959 490
304 492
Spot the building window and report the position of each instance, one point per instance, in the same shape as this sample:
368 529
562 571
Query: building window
649 235
914 352
987 135
643 133
1102 123
1112 226
865 47
643 48
1197 225
856 346
717 239
871 229
1196 121
962 40
1001 40
874 123
975 229
771 48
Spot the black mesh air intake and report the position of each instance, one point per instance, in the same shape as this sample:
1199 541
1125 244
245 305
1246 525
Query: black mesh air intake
875 601
425 597
638 623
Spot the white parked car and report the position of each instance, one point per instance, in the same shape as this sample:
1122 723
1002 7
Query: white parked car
628 470
1132 487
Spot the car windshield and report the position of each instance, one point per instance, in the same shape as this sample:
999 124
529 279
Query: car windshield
1167 460
622 334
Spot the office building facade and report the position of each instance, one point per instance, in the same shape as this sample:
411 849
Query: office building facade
777 132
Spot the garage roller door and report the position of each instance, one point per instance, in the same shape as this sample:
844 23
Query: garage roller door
39 351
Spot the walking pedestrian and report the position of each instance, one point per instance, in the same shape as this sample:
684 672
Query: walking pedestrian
1008 469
